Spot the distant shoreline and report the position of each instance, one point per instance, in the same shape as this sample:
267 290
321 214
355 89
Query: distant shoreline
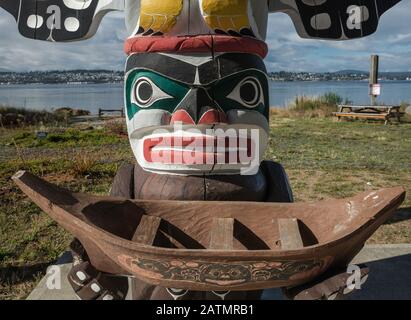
59 83
4 84
117 77
108 95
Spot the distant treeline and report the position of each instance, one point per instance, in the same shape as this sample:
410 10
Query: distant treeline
72 76
116 76
336 76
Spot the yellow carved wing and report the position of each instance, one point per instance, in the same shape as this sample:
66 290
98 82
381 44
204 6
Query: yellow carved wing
158 17
227 16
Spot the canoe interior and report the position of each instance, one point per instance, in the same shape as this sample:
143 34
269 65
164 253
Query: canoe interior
190 224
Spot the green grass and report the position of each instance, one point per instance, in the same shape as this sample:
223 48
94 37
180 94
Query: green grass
60 138
80 159
323 144
323 158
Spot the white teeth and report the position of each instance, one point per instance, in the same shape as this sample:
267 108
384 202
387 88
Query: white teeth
81 275
95 287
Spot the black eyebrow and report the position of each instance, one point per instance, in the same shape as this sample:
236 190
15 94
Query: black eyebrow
230 63
168 66
220 67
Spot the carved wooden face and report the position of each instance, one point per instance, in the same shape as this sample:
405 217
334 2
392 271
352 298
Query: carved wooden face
218 105
214 80
225 274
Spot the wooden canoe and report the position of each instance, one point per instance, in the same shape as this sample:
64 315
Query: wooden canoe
215 246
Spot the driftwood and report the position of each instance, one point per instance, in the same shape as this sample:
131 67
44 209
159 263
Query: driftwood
181 245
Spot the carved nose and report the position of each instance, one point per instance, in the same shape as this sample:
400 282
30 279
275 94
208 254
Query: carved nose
213 116
182 116
198 108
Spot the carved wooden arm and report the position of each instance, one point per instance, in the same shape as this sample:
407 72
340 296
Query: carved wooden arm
333 19
59 20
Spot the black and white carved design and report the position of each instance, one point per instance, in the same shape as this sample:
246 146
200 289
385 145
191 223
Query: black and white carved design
57 20
334 19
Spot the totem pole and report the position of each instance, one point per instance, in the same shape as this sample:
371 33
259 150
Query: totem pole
197 104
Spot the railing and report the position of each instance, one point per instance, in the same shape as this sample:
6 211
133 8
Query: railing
101 112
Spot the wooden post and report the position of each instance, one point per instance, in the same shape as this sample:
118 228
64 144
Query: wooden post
374 76
222 234
147 230
290 236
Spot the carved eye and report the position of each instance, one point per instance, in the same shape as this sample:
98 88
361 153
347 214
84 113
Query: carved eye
146 93
215 273
235 273
248 92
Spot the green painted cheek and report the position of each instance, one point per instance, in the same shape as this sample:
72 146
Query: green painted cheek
222 92
168 93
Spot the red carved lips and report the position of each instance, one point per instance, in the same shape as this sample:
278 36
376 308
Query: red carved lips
198 150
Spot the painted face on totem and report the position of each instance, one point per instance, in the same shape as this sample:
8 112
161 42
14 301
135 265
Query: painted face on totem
195 114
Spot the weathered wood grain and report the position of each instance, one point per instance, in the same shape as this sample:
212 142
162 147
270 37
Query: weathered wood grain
222 234
147 230
290 236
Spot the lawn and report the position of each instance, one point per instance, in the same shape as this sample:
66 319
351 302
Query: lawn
323 158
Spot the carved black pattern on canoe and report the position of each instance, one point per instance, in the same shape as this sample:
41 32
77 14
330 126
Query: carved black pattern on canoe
223 274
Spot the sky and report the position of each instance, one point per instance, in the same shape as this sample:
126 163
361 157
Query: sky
287 50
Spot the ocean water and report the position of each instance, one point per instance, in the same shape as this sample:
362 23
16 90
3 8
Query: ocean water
110 96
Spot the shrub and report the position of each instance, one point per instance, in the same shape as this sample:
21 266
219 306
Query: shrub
18 117
322 106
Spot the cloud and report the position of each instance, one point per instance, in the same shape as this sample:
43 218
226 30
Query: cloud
287 50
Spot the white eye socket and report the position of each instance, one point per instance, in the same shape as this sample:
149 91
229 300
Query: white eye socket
146 93
248 92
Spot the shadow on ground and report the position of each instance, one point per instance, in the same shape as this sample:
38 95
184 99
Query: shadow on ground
389 279
402 214
18 274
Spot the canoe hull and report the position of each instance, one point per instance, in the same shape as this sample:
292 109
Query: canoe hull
201 269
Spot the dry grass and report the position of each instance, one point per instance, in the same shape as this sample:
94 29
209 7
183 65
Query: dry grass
312 107
116 126
83 162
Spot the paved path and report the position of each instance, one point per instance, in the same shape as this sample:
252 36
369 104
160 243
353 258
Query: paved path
390 276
